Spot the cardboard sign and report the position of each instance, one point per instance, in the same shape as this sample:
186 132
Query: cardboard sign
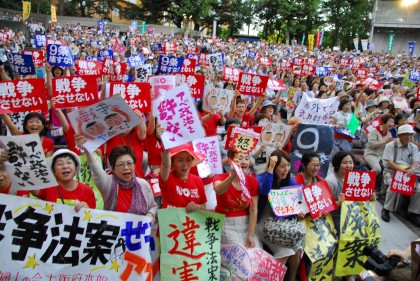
275 135
169 64
136 95
216 98
316 111
23 95
287 201
27 166
37 56
244 141
195 83
59 55
402 183
75 91
212 164
21 64
319 199
216 61
231 74
359 185
85 67
252 84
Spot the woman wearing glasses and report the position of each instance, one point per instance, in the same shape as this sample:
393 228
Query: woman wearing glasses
122 191
309 168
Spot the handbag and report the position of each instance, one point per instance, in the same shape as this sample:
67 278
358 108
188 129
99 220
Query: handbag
285 232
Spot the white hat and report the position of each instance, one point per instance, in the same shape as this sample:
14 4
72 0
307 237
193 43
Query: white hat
61 152
383 99
405 129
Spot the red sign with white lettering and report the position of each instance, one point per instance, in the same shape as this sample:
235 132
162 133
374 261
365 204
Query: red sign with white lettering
231 74
75 91
402 183
37 56
252 84
319 199
195 83
136 94
359 185
85 67
188 66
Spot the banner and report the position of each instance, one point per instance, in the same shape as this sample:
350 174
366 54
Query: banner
59 55
319 198
390 42
175 112
143 27
287 201
136 95
311 42
217 98
359 185
169 64
23 95
212 164
318 38
310 138
21 64
411 46
190 244
27 166
252 84
195 83
240 263
26 10
356 43
40 41
102 121
322 36
53 14
44 240
143 72
360 227
364 44
37 56
303 39
75 91
85 67
231 74
316 111
402 183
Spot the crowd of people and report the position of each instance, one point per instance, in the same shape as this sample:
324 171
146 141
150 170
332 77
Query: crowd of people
138 154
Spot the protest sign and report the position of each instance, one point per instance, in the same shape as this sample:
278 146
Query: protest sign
188 66
136 95
402 183
190 244
308 70
23 95
155 47
44 240
170 47
102 121
276 85
298 61
216 62
143 72
287 201
285 66
59 55
75 91
231 74
265 61
359 228
316 111
27 166
136 60
217 98
319 199
328 80
119 48
339 85
386 93
240 263
160 84
362 73
192 50
244 141
345 62
400 102
175 112
109 54
37 56
195 83
40 41
169 64
85 67
204 59
17 119
359 185
84 175
212 164
252 84
414 75
21 64
321 246
117 71
408 83
275 134
375 124
323 72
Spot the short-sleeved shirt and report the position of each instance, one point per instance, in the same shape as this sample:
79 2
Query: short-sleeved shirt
177 193
343 119
211 125
405 156
82 192
47 145
233 203
21 193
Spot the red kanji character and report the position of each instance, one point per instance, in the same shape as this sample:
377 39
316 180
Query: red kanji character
186 273
190 239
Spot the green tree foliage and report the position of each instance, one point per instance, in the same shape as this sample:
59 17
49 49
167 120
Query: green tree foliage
87 8
37 6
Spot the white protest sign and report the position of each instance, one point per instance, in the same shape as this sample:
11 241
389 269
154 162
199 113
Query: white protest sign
287 201
216 98
216 61
143 72
160 84
213 162
103 120
27 166
50 241
316 111
176 113
275 134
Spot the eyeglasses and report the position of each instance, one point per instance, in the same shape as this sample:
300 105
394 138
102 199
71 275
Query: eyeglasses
315 165
284 166
121 165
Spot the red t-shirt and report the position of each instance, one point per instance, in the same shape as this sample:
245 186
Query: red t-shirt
154 150
132 140
82 192
233 203
177 194
211 125
47 145
22 193
246 120
124 200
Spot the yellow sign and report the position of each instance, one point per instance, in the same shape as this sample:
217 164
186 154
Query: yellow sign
53 14
311 41
408 83
26 10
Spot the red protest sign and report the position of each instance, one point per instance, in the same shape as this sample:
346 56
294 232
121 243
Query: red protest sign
319 199
265 61
22 95
374 124
188 66
135 94
231 74
204 59
231 134
373 69
107 66
244 140
37 56
402 183
345 62
285 66
276 85
85 67
418 94
117 71
362 73
298 61
75 91
170 47
359 185
310 61
192 50
119 48
252 84
308 70
195 83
